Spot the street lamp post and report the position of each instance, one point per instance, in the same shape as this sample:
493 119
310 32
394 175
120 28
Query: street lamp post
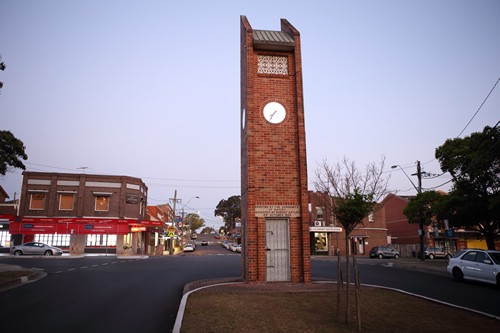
419 190
189 230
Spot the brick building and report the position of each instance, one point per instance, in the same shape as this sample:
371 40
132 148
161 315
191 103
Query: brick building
405 235
8 211
327 235
83 212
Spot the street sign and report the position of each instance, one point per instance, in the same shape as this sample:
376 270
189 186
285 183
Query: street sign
171 228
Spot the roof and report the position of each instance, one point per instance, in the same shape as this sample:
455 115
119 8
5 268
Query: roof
3 193
275 40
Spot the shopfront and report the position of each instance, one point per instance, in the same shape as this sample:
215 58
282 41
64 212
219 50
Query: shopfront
79 235
324 240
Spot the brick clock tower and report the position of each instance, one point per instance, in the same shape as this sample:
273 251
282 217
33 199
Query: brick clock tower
274 197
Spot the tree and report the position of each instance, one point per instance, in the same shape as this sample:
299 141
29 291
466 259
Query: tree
427 206
12 150
474 165
194 222
354 193
229 210
2 68
207 230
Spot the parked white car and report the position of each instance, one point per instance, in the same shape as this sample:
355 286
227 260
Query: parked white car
189 247
475 264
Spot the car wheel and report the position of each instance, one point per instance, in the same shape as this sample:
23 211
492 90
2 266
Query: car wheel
431 256
48 253
18 253
457 274
396 256
380 256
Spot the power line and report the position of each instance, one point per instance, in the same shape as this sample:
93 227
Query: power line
479 107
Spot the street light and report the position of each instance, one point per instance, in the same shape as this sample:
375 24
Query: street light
419 190
196 197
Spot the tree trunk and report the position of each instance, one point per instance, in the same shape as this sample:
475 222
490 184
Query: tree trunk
339 282
490 240
347 276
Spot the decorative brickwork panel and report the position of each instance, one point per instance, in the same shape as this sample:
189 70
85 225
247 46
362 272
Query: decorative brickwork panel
272 65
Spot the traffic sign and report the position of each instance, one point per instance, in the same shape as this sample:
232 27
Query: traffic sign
171 228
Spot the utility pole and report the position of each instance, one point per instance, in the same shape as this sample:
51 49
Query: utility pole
421 222
172 237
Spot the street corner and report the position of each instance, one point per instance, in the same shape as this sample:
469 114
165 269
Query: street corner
13 275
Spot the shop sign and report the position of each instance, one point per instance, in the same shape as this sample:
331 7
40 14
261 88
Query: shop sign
71 226
32 228
132 198
152 223
137 229
325 229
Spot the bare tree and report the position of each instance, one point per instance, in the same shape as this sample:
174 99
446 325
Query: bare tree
354 193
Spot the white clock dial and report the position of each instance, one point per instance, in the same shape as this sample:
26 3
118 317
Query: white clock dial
243 119
274 112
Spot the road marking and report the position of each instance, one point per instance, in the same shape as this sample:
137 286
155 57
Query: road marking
83 267
71 269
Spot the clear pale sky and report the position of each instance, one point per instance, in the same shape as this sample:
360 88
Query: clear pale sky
151 89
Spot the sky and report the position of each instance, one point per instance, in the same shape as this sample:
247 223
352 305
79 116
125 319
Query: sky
151 89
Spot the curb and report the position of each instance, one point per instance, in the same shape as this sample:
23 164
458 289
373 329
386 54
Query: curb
34 276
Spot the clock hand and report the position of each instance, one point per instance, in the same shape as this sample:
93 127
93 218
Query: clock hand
272 114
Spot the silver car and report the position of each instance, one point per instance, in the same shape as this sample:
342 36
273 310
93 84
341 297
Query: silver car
475 264
384 252
436 252
36 248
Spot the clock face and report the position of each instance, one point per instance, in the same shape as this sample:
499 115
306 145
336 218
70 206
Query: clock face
274 112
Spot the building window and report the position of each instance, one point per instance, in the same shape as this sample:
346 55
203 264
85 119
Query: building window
66 201
320 242
37 201
101 203
319 213
371 217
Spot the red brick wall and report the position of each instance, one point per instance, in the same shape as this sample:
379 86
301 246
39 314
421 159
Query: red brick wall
273 158
397 223
84 205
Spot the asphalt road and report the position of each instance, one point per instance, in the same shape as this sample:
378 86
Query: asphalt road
440 286
107 294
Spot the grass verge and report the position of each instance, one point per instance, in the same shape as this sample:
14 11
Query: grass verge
316 311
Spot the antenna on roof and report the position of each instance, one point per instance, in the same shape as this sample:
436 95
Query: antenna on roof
84 168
